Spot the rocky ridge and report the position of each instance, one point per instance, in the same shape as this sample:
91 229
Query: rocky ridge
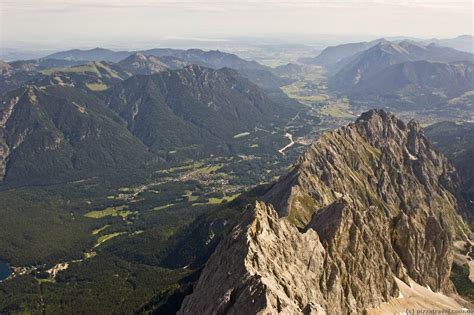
366 206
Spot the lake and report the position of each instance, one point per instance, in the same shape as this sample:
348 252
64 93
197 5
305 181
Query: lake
4 270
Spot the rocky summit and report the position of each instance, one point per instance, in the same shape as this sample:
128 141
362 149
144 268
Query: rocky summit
365 222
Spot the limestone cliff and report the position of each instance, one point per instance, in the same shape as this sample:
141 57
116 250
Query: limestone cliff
366 205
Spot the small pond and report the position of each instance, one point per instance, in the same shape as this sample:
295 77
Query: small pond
4 270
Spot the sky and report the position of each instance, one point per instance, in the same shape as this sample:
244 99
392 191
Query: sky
48 21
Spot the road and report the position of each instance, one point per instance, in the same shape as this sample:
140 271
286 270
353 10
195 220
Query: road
290 137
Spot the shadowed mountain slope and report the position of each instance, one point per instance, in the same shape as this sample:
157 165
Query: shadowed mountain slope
60 133
194 106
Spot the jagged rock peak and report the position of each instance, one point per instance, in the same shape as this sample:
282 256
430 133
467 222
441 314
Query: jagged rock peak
257 273
375 114
375 118
366 206
377 158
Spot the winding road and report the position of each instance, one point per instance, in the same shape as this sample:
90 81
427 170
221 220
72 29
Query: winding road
290 137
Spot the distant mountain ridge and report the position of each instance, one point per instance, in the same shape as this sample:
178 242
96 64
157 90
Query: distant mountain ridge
385 54
140 63
18 73
418 84
462 43
403 75
257 73
213 59
332 55
95 54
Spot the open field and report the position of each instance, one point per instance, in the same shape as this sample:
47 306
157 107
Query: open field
213 201
310 88
104 238
97 86
97 231
340 109
110 211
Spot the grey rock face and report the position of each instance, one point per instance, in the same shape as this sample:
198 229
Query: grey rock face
365 204
257 269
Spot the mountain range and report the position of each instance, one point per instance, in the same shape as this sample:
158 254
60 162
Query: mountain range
193 106
463 43
398 75
59 133
332 55
66 121
257 73
141 64
95 54
416 84
377 58
85 63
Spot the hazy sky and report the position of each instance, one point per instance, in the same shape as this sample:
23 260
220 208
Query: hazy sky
82 20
